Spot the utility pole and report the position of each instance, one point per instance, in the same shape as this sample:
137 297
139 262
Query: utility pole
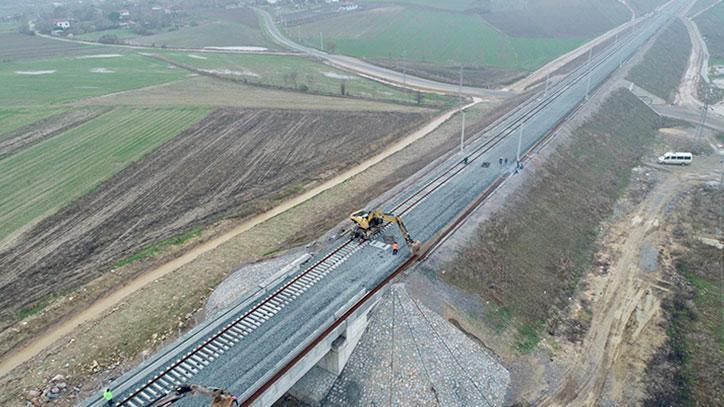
321 41
462 113
520 140
702 122
404 69
588 81
547 77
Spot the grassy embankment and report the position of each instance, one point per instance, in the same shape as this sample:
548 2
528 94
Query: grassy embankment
689 365
528 259
711 25
664 63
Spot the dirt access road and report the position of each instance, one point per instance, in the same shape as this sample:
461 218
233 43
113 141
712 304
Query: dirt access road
625 298
687 94
98 308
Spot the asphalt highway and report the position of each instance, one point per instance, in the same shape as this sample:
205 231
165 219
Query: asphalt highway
246 365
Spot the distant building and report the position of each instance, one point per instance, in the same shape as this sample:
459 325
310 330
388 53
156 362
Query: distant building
124 13
62 24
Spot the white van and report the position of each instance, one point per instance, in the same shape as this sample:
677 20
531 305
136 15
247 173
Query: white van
675 158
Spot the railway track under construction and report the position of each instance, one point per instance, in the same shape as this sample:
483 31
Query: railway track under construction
232 327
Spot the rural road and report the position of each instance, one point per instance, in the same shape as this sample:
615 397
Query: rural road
696 70
691 115
373 71
428 206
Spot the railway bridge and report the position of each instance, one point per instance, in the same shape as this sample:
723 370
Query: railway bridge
314 315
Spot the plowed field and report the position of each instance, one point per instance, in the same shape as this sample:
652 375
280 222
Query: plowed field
233 163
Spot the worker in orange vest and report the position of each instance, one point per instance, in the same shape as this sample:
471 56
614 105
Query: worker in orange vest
395 248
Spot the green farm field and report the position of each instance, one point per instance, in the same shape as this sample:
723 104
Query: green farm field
15 47
12 118
59 80
47 176
455 5
209 34
212 28
122 33
297 73
419 34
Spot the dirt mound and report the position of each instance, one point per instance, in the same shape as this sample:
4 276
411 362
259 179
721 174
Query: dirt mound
233 163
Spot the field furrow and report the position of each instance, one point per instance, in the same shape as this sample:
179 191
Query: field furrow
233 163
49 175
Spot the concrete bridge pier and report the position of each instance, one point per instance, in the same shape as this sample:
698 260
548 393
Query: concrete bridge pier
311 378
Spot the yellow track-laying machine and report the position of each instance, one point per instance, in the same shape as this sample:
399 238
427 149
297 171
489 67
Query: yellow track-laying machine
367 223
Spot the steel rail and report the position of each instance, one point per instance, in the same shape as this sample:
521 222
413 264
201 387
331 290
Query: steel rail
224 337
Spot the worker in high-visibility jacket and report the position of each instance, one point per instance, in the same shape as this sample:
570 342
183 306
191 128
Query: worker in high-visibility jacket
395 248
108 396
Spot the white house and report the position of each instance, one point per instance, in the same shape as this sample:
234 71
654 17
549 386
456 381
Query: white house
62 24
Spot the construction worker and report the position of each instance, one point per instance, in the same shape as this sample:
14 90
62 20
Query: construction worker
108 396
465 161
506 161
500 161
395 248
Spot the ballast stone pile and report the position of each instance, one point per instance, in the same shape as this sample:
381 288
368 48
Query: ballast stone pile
412 356
245 281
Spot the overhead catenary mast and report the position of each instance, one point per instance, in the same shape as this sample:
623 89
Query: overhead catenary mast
462 113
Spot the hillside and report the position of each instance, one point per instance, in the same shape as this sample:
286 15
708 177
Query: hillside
664 63
711 25
529 258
